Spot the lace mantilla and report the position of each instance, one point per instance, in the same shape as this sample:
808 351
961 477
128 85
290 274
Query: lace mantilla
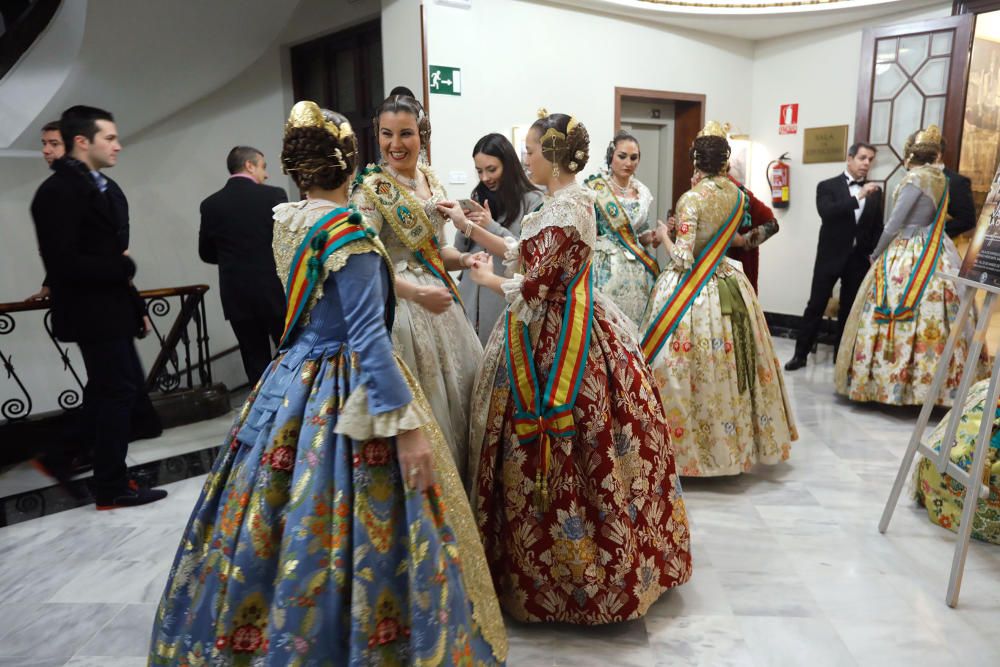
645 200
929 179
573 206
292 221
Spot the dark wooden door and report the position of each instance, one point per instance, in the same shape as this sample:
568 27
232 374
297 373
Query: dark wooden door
912 75
343 72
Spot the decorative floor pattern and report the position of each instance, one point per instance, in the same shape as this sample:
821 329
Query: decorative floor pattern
789 569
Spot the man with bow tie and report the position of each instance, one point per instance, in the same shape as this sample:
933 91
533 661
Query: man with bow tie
850 211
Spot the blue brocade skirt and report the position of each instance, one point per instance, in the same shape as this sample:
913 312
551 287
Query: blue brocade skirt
305 549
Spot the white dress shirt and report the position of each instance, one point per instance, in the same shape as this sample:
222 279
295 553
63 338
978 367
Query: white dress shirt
855 189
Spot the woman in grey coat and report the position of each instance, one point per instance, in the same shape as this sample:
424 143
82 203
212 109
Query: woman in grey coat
503 196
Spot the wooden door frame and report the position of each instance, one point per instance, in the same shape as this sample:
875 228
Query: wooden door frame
955 110
687 124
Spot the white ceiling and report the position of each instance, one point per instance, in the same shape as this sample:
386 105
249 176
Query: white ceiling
142 60
752 23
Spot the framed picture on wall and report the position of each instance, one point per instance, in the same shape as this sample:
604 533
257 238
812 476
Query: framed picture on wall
518 135
739 157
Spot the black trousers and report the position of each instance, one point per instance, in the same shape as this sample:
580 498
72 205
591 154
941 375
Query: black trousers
114 381
255 337
823 280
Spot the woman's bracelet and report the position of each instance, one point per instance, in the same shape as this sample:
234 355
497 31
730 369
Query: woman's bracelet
461 259
469 226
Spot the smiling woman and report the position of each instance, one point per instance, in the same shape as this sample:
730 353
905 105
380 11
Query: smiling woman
400 199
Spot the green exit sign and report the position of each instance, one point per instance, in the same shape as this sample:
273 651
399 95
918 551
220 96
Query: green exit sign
445 80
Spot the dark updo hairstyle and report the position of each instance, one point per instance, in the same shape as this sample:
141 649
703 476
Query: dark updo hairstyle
570 151
514 183
710 155
406 104
620 136
314 158
918 154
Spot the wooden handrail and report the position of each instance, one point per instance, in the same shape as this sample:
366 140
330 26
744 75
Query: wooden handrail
42 304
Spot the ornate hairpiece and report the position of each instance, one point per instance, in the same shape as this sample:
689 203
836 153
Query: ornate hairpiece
932 135
713 129
308 114
542 112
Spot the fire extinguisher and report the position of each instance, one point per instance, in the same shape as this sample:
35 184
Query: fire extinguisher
778 178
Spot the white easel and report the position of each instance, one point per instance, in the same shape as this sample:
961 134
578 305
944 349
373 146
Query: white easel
971 480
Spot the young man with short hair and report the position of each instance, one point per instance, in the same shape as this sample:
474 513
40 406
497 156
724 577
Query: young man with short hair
81 219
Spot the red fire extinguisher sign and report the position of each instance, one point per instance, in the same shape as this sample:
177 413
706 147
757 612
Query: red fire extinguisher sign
788 120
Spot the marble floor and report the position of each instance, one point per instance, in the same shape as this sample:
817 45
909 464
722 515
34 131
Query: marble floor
789 569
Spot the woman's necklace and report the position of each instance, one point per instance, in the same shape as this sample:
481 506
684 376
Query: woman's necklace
411 183
621 191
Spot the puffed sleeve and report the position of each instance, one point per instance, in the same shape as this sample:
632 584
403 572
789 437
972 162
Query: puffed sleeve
682 254
363 205
381 405
908 197
526 293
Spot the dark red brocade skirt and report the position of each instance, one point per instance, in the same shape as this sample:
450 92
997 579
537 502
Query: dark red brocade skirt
614 534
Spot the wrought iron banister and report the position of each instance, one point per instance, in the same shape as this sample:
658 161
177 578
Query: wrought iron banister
168 373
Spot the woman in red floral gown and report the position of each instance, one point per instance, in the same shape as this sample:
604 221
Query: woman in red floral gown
576 498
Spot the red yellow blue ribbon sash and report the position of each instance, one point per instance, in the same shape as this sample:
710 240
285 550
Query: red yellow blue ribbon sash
330 233
916 285
691 284
621 227
409 221
542 416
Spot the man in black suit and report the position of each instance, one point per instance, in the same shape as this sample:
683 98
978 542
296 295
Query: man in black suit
850 211
236 232
961 207
82 231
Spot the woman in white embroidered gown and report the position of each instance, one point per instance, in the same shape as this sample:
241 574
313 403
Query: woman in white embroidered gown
618 273
399 199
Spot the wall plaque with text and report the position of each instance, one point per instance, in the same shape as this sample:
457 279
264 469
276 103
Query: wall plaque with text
824 144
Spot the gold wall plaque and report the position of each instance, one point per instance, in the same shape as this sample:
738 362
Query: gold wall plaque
824 144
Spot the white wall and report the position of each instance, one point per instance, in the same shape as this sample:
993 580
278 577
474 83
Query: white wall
818 70
165 171
517 56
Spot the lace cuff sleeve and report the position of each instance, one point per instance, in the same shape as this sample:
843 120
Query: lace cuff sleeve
518 305
357 423
512 256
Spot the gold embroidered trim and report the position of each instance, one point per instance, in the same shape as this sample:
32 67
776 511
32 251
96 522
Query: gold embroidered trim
475 571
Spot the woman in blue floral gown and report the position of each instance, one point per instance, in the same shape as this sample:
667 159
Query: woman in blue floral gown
307 545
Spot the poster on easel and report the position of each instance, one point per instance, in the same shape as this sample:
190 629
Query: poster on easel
982 259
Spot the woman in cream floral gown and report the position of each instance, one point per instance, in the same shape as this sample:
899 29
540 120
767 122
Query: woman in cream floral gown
895 364
578 503
944 497
717 372
399 200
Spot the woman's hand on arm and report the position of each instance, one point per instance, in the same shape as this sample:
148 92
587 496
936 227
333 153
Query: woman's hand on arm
430 297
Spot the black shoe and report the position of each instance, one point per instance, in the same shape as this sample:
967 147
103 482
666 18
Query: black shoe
59 468
131 497
795 363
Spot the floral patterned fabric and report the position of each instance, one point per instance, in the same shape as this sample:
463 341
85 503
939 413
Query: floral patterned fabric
304 548
717 428
941 495
614 534
442 350
617 272
866 371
